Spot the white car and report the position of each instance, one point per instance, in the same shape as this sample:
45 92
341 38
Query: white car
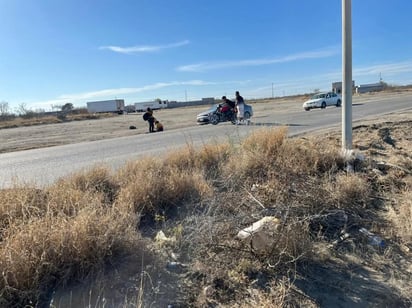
321 100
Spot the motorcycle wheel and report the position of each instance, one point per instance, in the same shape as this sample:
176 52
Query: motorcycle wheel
214 119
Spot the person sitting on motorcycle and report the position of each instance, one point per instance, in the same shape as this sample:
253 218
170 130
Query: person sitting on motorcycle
227 105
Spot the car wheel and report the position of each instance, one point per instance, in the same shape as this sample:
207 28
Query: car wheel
307 109
214 119
338 103
246 116
323 106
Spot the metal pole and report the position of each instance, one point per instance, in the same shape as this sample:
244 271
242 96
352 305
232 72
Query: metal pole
347 74
272 89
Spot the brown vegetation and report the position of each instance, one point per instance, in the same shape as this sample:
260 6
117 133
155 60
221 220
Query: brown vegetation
87 225
41 119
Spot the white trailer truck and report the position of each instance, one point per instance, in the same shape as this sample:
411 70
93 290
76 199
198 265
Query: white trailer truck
114 105
158 104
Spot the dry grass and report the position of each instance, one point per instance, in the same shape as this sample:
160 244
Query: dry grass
402 218
40 119
151 186
201 197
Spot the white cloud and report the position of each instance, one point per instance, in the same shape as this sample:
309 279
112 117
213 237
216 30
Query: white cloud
207 66
143 49
372 72
388 69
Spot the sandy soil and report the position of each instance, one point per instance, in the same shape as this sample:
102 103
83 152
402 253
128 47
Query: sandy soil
31 137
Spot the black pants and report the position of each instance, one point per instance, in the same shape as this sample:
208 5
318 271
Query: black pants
151 126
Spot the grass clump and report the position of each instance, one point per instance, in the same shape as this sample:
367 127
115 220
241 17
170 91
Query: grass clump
151 186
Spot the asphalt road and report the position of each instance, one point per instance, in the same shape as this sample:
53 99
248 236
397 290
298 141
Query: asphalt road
41 167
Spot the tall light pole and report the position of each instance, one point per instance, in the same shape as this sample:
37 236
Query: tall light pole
272 89
347 74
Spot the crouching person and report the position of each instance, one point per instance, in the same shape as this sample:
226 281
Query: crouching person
159 126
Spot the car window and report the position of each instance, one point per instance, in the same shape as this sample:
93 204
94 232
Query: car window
212 108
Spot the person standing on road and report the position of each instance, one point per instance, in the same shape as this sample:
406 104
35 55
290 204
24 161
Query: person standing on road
240 106
148 116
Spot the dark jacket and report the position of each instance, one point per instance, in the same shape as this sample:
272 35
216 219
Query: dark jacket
230 103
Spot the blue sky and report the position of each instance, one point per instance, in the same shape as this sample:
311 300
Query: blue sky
59 51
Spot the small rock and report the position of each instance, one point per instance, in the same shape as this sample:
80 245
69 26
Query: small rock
208 291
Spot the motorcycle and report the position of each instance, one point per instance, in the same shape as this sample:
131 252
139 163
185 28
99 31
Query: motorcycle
221 114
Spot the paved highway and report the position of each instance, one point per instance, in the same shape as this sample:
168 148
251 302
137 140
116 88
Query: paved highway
41 167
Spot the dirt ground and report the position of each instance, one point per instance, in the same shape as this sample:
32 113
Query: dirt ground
378 282
31 137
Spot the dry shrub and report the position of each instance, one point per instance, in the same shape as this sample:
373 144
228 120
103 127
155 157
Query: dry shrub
37 120
256 154
279 293
266 142
151 186
268 153
292 244
212 157
20 204
43 253
183 158
68 201
301 157
350 191
96 180
208 159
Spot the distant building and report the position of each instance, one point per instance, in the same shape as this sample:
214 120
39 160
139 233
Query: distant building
337 87
371 87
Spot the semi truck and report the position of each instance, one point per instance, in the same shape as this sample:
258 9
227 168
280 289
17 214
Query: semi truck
114 105
157 104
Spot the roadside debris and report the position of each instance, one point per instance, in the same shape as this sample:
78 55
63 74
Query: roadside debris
260 233
162 239
352 158
374 239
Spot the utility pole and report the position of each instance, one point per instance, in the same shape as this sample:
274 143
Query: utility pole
272 89
347 74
